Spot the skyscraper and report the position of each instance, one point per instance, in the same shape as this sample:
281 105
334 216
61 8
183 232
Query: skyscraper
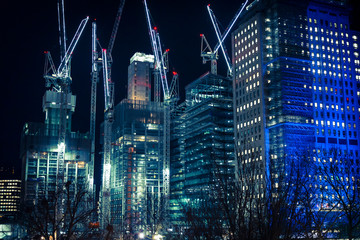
139 77
10 192
137 167
202 149
296 86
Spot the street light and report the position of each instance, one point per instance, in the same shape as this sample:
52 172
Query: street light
141 235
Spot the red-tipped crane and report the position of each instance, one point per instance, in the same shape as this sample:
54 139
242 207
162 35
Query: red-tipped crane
212 55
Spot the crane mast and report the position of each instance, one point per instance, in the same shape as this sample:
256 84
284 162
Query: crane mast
208 54
160 66
160 70
108 119
62 30
94 81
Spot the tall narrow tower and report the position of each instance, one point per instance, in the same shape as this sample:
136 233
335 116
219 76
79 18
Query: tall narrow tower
139 85
137 169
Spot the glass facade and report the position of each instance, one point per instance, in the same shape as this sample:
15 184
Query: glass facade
138 197
137 166
296 88
202 143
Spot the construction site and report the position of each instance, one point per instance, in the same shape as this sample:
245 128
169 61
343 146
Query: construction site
151 162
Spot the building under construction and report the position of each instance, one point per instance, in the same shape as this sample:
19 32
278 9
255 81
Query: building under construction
39 151
137 169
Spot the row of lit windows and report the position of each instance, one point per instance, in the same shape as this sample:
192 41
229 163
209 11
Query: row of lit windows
251 153
250 25
316 29
10 182
248 105
249 123
327 39
333 133
331 74
332 106
9 210
332 49
8 197
334 124
329 65
330 24
5 191
330 57
9 202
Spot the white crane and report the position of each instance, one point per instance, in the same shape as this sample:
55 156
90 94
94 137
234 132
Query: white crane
212 55
106 62
59 80
170 96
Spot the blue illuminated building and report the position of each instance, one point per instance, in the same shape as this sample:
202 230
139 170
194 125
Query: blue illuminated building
296 88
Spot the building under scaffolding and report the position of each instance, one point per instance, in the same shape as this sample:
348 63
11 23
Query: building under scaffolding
137 198
39 150
202 143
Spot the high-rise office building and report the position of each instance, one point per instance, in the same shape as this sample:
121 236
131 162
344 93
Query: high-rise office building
202 146
137 165
10 192
296 86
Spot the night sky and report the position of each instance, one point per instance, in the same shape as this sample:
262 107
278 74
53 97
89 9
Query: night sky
28 28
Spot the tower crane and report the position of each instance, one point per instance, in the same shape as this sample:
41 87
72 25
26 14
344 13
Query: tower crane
212 55
106 63
94 81
160 65
160 70
59 81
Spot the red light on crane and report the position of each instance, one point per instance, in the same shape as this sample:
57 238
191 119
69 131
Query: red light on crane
201 35
45 52
167 50
208 5
155 28
175 73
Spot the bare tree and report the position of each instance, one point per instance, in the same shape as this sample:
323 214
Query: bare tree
273 204
336 172
40 219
